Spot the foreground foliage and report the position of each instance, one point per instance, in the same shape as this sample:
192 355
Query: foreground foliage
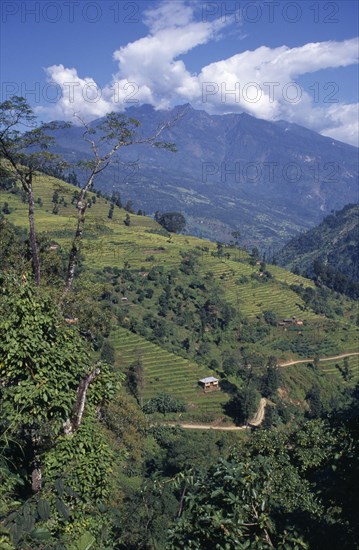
52 449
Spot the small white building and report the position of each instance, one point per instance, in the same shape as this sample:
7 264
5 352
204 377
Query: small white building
210 383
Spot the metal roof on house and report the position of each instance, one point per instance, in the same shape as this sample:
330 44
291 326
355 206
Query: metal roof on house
209 379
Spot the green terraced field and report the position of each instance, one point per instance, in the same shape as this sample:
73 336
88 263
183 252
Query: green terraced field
299 378
254 297
329 368
166 372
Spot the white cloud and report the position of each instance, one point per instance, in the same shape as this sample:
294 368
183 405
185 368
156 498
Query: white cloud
272 72
168 14
150 70
78 95
342 123
153 61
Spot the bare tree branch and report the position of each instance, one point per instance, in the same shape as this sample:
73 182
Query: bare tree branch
120 130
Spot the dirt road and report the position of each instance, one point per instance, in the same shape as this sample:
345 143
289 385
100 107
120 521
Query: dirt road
256 421
333 358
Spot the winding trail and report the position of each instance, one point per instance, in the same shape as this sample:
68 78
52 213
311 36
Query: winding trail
333 358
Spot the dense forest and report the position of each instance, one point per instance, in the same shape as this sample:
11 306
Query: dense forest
107 322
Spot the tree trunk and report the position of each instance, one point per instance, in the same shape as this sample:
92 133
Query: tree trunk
81 396
71 426
36 480
74 252
33 245
75 247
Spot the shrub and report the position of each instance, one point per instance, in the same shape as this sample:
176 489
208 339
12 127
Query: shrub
164 403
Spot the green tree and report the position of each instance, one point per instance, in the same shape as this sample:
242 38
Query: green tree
347 374
243 404
315 403
5 209
220 249
116 199
231 365
230 506
129 207
45 368
49 396
275 491
12 247
108 352
164 403
55 197
135 380
270 317
174 222
7 179
271 382
26 152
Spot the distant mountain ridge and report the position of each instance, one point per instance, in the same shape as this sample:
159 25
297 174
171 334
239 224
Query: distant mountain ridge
269 180
329 252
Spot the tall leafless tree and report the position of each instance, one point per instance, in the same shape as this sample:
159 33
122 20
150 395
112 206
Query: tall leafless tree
24 146
112 134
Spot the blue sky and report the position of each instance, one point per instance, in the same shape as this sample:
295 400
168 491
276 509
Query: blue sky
272 59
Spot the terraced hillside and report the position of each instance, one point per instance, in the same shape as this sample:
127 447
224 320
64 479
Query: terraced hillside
143 245
168 373
328 376
330 368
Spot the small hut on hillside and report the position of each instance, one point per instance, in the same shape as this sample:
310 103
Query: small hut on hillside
293 321
210 383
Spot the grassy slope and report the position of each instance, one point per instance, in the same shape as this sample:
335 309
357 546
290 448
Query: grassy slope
111 243
298 378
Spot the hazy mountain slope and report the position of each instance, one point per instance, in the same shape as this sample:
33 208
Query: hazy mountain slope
332 247
267 179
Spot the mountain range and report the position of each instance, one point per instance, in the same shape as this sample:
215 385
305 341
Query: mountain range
268 180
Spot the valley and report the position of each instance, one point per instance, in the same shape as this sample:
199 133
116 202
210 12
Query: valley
269 180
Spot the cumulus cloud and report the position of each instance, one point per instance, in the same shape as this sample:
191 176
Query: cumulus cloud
77 95
153 62
261 82
342 123
265 78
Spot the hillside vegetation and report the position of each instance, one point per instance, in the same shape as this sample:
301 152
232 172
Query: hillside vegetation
328 253
185 308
